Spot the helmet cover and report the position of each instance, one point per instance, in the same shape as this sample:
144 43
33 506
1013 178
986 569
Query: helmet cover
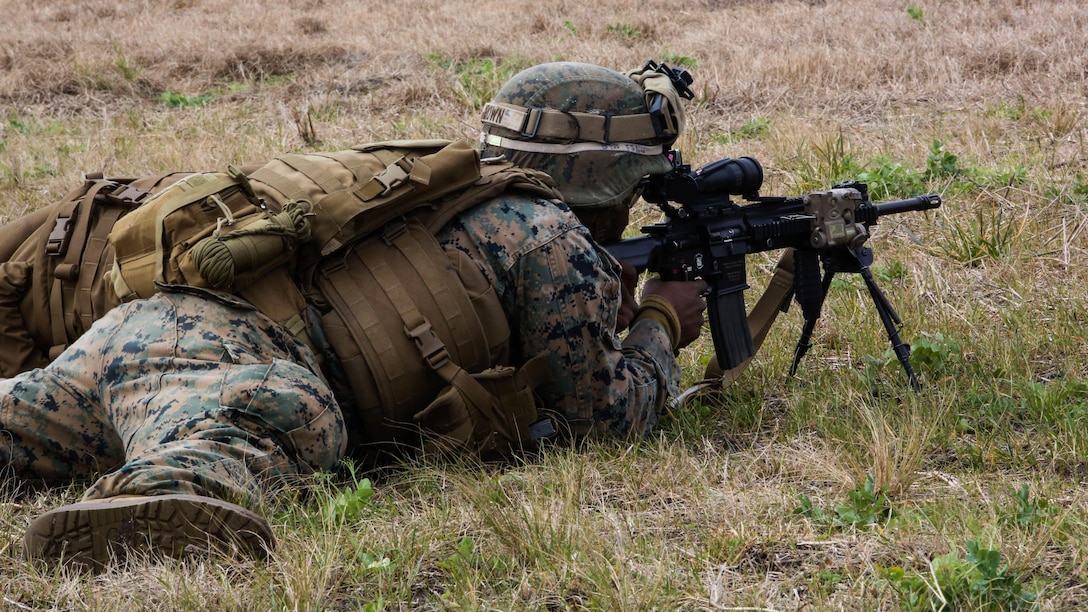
585 146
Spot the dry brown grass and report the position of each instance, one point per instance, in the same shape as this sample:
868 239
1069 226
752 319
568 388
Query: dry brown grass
702 517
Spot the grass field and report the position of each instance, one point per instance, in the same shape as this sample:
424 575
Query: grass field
838 489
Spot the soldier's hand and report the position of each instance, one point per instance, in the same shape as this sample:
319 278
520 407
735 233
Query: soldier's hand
687 298
628 303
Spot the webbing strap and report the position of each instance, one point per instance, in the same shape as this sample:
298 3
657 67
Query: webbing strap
358 315
387 157
291 190
316 172
537 122
634 148
503 406
417 327
453 304
351 160
88 269
431 347
62 322
377 355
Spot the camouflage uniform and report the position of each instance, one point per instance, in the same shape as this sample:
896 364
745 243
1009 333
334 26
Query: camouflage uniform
561 294
188 392
595 132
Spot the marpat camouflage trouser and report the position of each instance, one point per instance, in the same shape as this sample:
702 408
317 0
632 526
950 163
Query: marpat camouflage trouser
185 392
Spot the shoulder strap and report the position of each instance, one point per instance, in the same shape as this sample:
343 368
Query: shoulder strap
66 276
495 178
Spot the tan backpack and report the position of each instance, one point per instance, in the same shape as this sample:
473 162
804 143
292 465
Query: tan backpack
336 198
415 337
300 237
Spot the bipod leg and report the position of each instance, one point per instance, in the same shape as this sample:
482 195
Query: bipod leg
892 323
811 305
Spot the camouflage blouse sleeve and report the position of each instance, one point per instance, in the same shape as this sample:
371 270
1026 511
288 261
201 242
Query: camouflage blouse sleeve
560 291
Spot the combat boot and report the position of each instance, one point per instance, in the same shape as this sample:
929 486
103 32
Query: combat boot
97 533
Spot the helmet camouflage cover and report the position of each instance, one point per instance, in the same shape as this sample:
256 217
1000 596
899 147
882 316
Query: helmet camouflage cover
587 126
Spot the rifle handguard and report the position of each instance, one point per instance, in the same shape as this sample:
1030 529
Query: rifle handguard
657 308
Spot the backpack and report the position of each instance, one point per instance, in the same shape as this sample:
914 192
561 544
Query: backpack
412 337
299 238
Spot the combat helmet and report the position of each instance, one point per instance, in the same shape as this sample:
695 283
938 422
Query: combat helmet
594 130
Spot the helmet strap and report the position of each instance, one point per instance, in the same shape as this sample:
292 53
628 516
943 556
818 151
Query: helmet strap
536 122
495 140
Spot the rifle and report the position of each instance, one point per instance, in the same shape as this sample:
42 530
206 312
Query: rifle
708 236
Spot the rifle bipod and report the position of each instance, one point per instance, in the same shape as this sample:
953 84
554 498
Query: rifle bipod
810 296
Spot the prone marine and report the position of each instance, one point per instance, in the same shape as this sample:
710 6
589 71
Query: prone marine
183 408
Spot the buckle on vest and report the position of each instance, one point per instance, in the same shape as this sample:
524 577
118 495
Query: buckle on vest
394 175
429 344
57 242
128 194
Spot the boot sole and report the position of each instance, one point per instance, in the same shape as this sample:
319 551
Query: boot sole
95 534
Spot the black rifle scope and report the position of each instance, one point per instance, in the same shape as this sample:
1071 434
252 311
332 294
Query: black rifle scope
713 182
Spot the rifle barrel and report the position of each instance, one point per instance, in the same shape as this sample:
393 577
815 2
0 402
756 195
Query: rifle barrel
924 202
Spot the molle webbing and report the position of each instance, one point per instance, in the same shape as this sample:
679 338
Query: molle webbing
355 192
66 275
436 274
392 297
76 299
87 256
417 352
